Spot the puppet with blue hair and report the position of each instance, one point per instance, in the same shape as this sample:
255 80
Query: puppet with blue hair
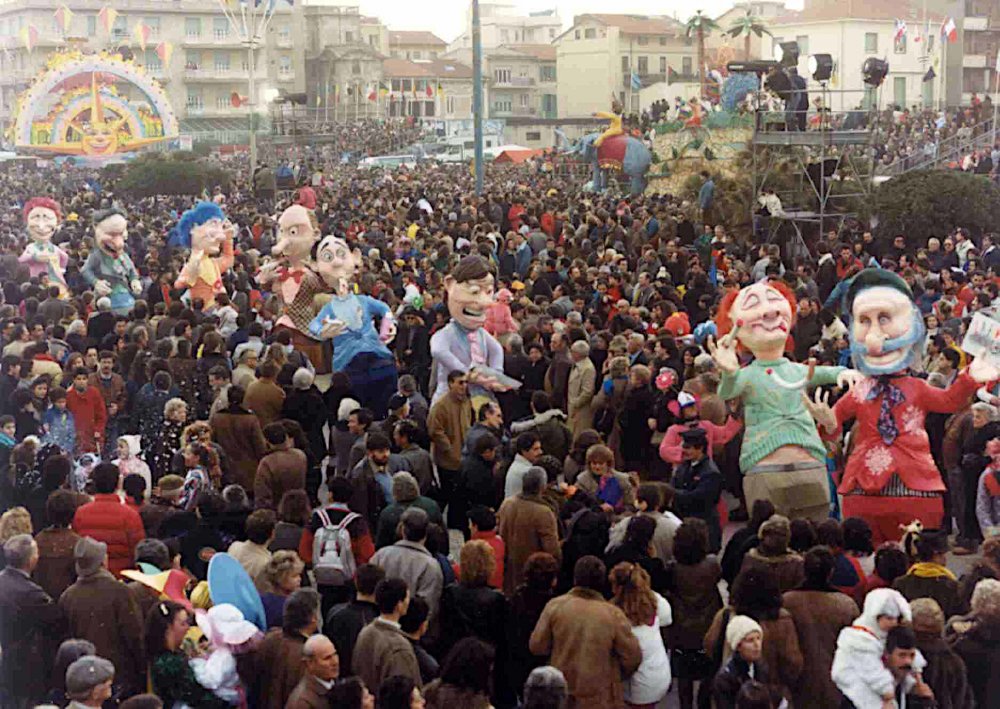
890 477
205 230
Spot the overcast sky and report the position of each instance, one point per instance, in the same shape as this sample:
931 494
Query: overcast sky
446 18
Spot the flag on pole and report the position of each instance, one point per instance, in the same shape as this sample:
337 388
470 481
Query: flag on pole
372 94
636 82
997 68
949 32
165 50
671 75
29 37
107 17
440 89
429 90
64 16
141 32
900 30
383 89
930 75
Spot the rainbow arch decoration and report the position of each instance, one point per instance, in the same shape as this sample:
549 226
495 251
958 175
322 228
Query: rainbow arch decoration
74 108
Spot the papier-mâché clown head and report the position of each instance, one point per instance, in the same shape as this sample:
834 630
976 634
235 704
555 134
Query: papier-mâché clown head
764 315
42 217
201 228
336 264
111 231
886 329
470 291
297 232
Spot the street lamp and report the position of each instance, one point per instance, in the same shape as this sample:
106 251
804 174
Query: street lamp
249 21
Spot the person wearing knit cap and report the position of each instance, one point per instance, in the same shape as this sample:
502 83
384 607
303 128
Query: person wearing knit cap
945 671
857 669
773 553
89 681
890 477
745 638
101 609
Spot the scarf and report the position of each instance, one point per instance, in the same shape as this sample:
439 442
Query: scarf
892 396
930 570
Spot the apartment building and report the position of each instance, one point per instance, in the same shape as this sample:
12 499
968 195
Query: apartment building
500 23
416 45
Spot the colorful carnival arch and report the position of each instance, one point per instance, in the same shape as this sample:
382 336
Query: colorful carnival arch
74 108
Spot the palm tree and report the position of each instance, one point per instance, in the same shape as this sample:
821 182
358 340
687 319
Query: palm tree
700 26
747 26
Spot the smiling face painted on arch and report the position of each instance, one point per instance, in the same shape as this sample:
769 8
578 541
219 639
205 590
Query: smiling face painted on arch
887 331
765 317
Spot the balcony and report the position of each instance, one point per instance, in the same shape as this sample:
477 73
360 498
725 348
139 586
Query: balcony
514 111
977 24
216 74
230 39
974 61
284 41
286 76
514 82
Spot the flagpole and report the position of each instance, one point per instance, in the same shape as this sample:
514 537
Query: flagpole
996 96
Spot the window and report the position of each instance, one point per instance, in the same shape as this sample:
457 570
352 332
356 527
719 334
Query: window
576 34
504 36
501 76
899 91
223 102
590 33
152 61
119 30
552 33
220 27
663 41
930 42
643 66
899 45
533 135
373 40
192 27
643 40
625 64
416 54
548 105
194 99
222 61
449 104
284 65
517 37
547 72
91 25
348 36
663 65
284 33
192 62
803 41
153 23
871 42
523 100
686 68
356 67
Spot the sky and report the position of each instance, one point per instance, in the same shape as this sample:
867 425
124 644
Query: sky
448 17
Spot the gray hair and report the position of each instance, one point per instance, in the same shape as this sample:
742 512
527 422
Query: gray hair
546 688
312 643
984 408
574 317
516 343
534 480
18 550
581 348
407 384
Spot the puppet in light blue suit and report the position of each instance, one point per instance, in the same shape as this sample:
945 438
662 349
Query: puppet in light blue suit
359 350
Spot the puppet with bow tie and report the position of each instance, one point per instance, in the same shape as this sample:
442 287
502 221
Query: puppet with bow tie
890 477
292 280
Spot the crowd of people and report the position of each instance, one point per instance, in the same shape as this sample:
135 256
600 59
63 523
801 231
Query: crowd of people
578 539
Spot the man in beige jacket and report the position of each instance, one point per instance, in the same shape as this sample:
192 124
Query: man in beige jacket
580 389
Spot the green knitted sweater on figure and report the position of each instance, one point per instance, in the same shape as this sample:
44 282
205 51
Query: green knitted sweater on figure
775 416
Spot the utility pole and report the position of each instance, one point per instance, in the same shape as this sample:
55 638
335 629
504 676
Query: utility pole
477 94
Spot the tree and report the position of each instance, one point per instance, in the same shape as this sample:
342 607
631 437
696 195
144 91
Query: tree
700 26
747 26
926 203
177 173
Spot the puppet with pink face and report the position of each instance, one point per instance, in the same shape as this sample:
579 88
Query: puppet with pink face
464 345
109 269
293 282
41 256
348 320
890 477
205 230
782 457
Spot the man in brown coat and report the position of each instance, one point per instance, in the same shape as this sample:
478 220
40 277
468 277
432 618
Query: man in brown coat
448 421
278 667
527 525
56 570
382 650
264 397
281 470
99 608
322 669
557 375
238 432
580 388
820 612
588 639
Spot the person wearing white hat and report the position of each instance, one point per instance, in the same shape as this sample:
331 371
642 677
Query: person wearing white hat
745 638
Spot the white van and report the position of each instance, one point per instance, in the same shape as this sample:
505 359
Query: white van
384 162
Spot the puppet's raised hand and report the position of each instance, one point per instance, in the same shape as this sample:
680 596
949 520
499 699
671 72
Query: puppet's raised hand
724 352
983 371
819 409
849 378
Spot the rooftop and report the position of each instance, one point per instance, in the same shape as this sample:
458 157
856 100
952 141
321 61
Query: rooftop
541 52
879 10
433 69
633 24
420 37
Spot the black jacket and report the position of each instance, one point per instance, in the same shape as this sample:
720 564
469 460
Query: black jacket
31 626
727 683
343 624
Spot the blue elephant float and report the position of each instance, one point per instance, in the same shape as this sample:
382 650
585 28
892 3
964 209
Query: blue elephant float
620 153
